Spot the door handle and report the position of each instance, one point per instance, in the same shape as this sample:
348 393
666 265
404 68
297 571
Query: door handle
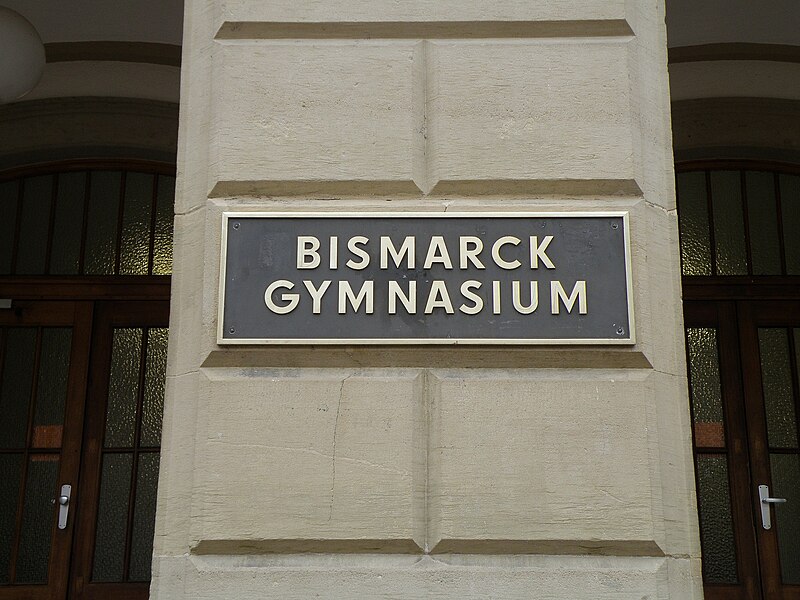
765 501
63 505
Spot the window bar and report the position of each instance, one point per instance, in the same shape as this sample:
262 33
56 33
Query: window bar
120 215
52 224
12 571
793 362
153 221
86 198
711 237
135 466
779 208
17 225
746 213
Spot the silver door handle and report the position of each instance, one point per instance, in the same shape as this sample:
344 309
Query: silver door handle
63 505
765 501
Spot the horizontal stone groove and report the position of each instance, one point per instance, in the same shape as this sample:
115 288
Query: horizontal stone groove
232 30
137 52
405 546
520 188
305 546
559 547
499 357
735 51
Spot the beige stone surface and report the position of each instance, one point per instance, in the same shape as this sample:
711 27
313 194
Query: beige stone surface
538 456
520 111
283 473
308 455
432 577
320 11
316 111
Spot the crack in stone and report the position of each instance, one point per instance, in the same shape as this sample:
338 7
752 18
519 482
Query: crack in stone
333 453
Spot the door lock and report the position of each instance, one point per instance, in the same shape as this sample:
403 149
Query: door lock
63 505
765 501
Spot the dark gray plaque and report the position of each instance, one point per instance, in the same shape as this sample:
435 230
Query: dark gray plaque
530 278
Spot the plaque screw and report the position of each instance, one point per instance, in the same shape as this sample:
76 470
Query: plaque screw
236 226
620 331
232 330
613 226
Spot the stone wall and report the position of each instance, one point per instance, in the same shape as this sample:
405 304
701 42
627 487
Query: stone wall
426 472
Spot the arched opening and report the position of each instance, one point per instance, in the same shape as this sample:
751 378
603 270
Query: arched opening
85 263
740 250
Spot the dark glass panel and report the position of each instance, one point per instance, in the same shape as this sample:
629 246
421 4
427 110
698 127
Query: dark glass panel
790 209
9 196
68 224
123 388
762 213
694 228
729 239
112 518
38 515
162 247
786 484
34 225
705 387
101 230
10 472
155 375
716 522
776 381
144 517
51 389
135 245
15 391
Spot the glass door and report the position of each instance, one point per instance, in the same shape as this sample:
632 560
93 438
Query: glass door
44 350
743 364
770 346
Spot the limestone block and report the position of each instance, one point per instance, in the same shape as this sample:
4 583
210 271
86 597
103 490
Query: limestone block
542 461
374 577
530 110
320 11
300 112
294 459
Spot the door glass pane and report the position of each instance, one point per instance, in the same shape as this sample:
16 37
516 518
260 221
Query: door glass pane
37 519
694 228
112 517
37 198
162 248
51 388
716 522
763 216
726 194
786 484
705 388
68 224
144 517
135 245
776 377
15 391
790 209
155 375
101 230
123 388
10 472
9 196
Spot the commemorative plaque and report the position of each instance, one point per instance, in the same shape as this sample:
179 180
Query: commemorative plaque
425 278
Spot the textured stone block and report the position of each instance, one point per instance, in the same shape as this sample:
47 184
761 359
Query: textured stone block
548 110
542 461
304 112
318 459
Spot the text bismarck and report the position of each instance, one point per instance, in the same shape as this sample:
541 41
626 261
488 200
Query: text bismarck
408 260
